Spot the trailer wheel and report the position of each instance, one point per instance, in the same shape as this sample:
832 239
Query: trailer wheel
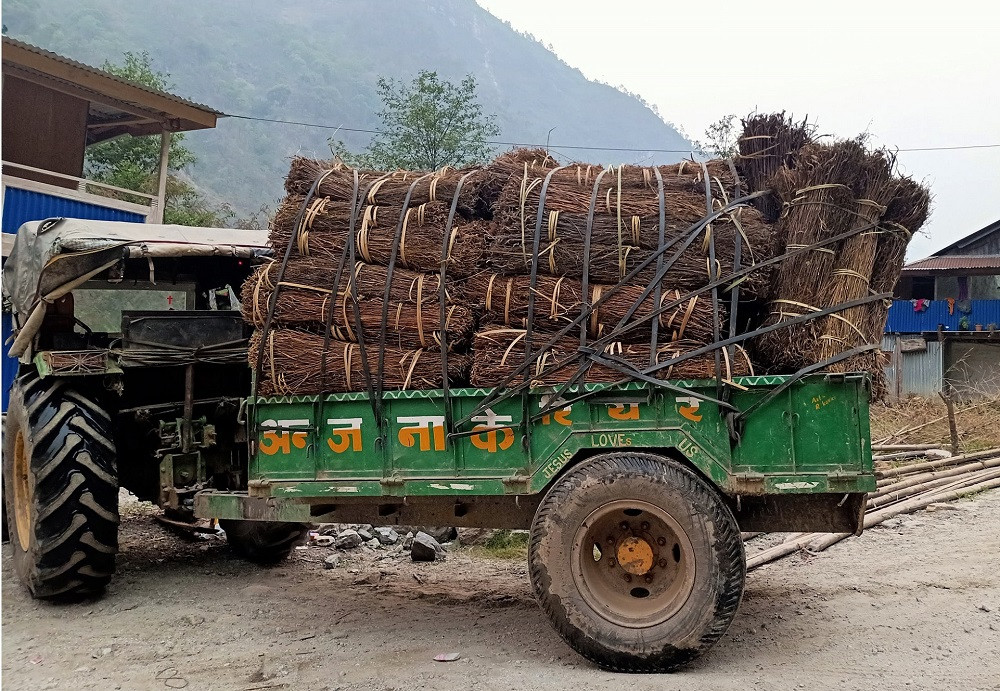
637 561
263 542
60 490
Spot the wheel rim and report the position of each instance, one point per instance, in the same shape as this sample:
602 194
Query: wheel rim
633 563
22 491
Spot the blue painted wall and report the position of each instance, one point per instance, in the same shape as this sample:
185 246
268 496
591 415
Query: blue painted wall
903 319
21 206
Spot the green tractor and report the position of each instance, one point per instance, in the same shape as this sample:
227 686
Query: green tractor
134 374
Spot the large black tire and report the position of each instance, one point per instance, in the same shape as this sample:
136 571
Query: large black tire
637 561
263 542
60 490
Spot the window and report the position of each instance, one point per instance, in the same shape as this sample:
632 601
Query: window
922 288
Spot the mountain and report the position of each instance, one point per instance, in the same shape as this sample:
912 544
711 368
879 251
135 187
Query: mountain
318 62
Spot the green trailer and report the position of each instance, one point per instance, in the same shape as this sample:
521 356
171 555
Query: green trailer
635 495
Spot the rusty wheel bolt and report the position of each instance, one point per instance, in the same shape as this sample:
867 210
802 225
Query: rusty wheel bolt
661 541
624 525
648 578
663 563
645 525
612 563
628 579
611 540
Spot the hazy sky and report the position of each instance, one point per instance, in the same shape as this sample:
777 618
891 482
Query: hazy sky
913 77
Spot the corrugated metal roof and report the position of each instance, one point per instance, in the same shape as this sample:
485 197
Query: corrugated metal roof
904 319
955 261
107 75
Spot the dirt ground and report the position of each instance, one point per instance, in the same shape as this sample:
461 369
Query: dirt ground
911 605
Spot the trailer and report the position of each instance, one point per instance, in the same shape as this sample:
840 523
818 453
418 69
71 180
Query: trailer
635 497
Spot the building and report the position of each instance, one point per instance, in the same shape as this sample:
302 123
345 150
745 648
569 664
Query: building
943 330
53 109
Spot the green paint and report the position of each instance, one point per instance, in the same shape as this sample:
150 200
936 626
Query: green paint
812 438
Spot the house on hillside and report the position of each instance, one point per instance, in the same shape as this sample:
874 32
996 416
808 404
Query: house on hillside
943 330
53 109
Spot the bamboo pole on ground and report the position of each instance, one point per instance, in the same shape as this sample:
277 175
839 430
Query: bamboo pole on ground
904 447
938 489
920 478
931 465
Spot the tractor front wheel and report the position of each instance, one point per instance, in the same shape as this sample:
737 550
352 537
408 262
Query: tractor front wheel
60 490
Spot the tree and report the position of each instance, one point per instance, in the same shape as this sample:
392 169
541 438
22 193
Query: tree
426 124
134 162
721 138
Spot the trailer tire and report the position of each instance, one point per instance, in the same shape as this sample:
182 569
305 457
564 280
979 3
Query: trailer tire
60 490
263 542
637 561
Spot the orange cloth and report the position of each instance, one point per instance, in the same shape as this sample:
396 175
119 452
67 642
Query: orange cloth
951 305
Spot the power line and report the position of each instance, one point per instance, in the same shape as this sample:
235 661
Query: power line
567 146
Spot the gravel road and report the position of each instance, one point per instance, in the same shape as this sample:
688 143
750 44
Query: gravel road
911 605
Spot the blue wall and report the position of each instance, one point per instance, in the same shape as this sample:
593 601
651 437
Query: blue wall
904 320
21 206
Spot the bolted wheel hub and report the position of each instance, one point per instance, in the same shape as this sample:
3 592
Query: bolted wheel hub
635 555
633 563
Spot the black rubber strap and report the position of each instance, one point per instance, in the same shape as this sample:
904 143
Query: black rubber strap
803 372
766 329
273 298
734 293
532 281
336 282
359 327
388 285
505 390
712 275
443 300
585 291
658 290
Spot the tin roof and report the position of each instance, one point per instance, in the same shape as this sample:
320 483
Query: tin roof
955 263
117 105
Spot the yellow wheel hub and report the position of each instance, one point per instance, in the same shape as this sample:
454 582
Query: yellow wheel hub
22 491
635 555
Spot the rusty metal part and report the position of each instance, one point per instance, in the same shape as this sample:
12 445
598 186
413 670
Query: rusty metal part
605 579
635 555
202 526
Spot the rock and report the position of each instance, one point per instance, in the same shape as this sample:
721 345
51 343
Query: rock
349 539
426 548
439 534
374 543
324 540
408 540
365 534
194 620
386 535
332 561
372 578
468 537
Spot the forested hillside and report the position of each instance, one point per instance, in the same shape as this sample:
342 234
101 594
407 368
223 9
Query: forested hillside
318 62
